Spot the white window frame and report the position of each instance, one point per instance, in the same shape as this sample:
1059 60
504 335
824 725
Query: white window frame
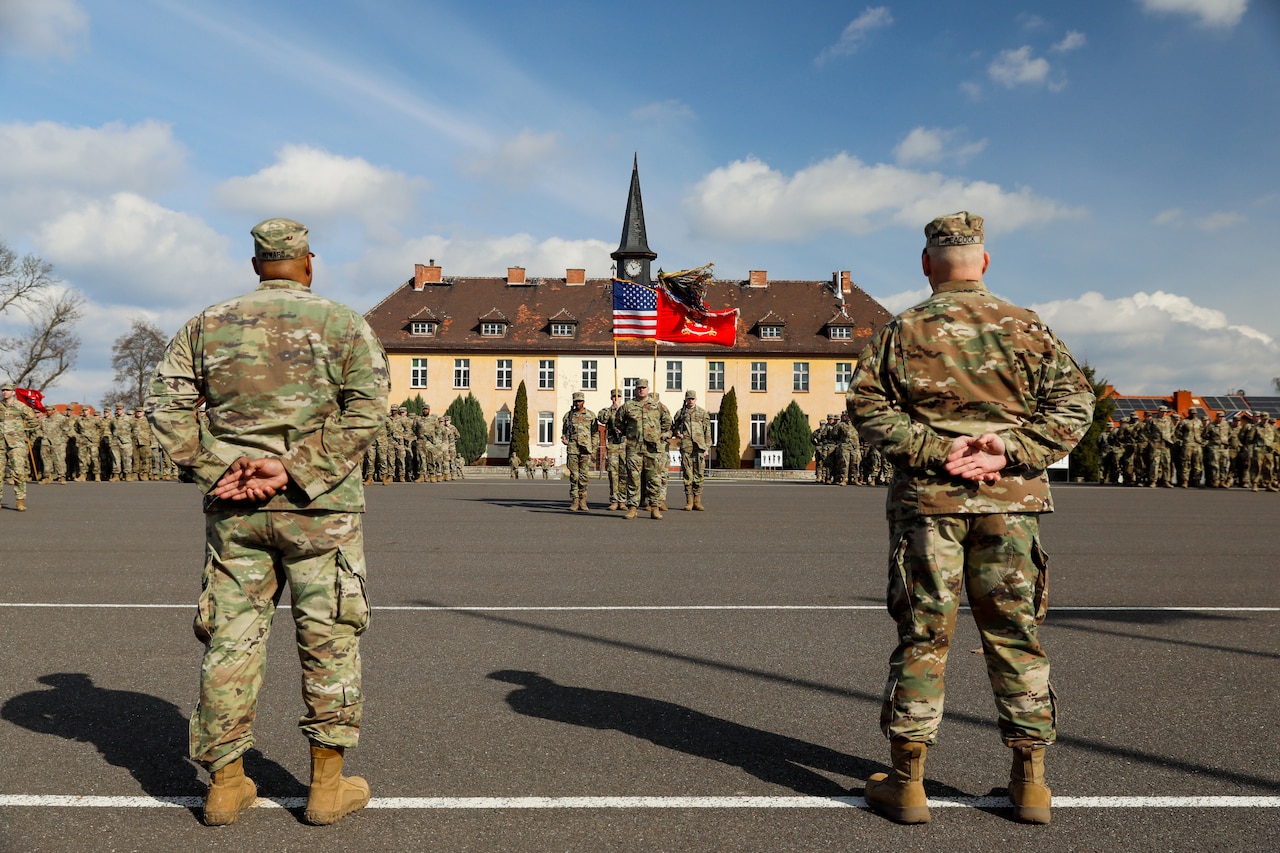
759 376
546 374
675 375
425 328
770 333
844 376
492 329
417 373
715 428
546 428
629 387
590 374
503 374
759 431
715 375
462 373
841 333
502 428
563 330
800 376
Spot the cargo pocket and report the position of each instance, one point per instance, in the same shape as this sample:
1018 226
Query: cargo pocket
353 605
898 595
1041 560
202 624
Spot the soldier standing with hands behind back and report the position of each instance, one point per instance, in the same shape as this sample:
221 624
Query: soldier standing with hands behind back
971 398
295 387
578 435
692 426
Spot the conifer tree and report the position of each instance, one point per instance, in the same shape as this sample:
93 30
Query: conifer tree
473 430
729 447
520 424
790 433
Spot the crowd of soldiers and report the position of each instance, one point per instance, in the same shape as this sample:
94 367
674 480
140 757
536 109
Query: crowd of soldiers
78 445
841 459
1163 449
414 449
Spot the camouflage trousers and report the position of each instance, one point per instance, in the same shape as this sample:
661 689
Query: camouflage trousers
13 465
848 463
645 462
693 468
616 468
578 461
999 561
250 557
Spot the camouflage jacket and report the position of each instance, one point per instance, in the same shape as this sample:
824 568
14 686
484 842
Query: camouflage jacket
965 362
645 421
17 421
578 430
613 436
692 425
284 373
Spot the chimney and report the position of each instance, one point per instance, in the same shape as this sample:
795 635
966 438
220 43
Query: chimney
575 276
846 283
515 275
425 274
758 278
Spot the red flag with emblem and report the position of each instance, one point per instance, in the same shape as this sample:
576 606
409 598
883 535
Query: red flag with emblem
31 397
677 324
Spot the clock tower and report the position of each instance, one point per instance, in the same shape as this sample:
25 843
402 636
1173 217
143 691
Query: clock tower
633 254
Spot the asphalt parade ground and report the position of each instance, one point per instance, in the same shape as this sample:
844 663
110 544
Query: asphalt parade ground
541 680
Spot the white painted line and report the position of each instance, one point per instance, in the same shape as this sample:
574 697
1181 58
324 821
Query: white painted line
461 803
498 608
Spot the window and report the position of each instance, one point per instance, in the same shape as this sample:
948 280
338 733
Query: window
844 375
421 327
462 373
629 387
503 377
562 330
546 427
841 333
546 373
715 428
771 333
758 431
715 375
675 375
502 428
590 374
491 329
759 376
800 376
418 373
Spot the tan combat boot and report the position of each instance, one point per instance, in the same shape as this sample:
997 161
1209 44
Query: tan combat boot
1029 794
697 502
573 505
653 512
332 795
688 501
631 512
21 505
613 505
230 792
582 503
899 794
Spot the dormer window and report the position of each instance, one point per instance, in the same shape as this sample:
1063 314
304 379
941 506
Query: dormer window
562 330
422 327
771 333
841 333
491 329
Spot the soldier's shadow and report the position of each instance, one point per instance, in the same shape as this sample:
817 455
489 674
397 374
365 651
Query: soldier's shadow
770 757
141 733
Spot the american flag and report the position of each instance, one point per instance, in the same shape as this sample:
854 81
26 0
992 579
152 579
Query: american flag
635 310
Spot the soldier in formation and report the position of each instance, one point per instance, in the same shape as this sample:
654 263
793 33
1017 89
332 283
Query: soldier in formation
580 437
646 425
18 426
615 449
692 428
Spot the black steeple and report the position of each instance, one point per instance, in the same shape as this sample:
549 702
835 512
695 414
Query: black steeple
634 245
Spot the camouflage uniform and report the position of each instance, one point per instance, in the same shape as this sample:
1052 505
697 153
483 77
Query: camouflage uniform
1217 454
1190 438
425 430
646 425
142 438
286 374
18 424
1262 454
579 435
692 425
946 533
615 448
848 453
88 445
1159 435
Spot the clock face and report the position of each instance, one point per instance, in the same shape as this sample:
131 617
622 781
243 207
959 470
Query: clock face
633 267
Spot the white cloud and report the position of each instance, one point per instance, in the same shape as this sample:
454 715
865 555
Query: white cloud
663 111
311 184
141 157
747 200
898 302
129 250
1175 217
933 145
519 160
1160 342
1212 13
42 27
871 19
1073 40
1012 68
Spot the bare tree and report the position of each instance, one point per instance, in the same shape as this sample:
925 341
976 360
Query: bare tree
39 356
134 355
1276 382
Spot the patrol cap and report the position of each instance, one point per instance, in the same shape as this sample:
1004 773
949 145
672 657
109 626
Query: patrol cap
579 397
954 229
616 392
8 386
403 410
691 394
642 383
280 240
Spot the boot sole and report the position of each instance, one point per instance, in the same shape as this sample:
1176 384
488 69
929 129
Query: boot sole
330 818
902 814
1032 814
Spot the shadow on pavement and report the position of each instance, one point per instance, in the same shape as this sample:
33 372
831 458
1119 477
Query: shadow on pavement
143 734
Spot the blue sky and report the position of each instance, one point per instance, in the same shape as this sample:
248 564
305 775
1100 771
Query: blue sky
1122 152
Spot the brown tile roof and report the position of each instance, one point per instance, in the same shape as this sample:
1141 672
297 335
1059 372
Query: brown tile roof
458 304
